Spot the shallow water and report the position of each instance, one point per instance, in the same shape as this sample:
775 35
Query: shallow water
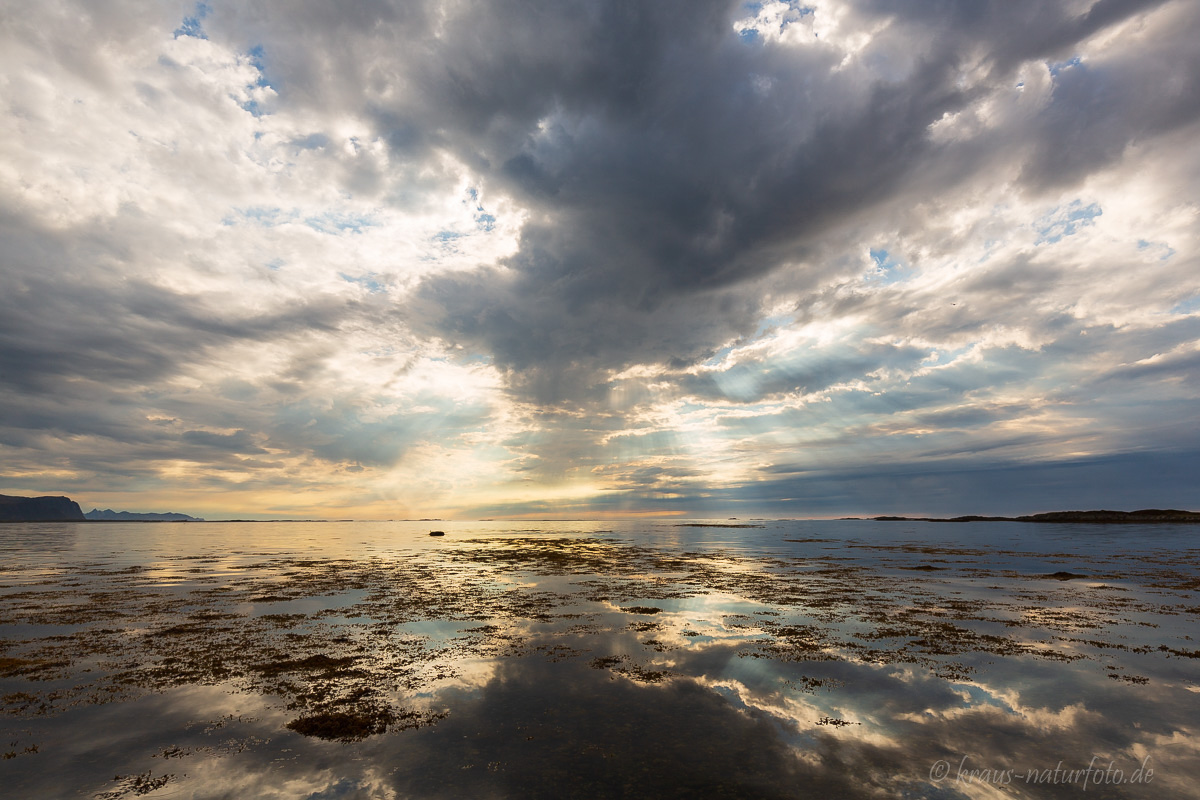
599 659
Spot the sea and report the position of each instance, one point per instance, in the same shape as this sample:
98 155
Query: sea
663 658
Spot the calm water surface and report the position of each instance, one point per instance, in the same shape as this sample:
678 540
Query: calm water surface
599 659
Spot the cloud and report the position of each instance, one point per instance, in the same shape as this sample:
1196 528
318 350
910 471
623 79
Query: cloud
699 182
578 244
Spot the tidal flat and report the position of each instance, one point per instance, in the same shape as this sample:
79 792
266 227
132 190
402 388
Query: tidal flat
657 659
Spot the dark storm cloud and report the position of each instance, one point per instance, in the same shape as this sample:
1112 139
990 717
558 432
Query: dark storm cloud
86 354
666 161
1010 32
972 480
971 485
1099 110
653 205
236 442
67 312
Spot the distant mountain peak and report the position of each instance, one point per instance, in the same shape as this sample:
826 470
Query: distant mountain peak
108 515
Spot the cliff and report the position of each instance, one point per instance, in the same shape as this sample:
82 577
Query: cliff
39 509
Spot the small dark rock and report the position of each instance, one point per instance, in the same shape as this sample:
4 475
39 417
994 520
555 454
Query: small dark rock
344 726
1065 576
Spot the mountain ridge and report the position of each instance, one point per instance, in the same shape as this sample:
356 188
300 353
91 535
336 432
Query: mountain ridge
108 515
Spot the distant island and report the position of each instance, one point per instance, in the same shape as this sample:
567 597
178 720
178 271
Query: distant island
1145 515
64 509
39 509
108 515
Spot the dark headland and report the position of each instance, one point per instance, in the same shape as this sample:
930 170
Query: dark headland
1144 515
64 509
39 509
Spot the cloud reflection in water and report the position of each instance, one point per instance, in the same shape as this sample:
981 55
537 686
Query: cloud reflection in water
560 678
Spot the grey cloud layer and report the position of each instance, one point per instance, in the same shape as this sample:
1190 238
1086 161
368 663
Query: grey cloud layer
658 171
682 180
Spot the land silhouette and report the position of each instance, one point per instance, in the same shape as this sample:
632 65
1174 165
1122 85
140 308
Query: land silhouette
39 509
1103 516
64 509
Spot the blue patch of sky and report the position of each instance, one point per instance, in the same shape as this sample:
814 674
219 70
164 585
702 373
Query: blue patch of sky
1186 307
887 269
988 247
1059 66
260 215
483 220
333 222
448 240
741 382
768 323
942 357
1065 221
314 141
796 12
256 57
252 107
193 26
1167 250
719 356
691 407
764 325
368 282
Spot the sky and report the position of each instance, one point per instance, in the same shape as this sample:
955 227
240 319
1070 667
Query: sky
384 260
